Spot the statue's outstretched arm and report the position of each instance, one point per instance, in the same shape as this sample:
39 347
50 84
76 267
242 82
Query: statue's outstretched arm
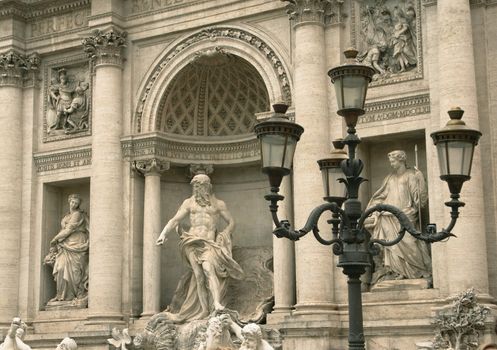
172 224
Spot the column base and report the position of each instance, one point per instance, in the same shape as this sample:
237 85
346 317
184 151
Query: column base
315 308
114 318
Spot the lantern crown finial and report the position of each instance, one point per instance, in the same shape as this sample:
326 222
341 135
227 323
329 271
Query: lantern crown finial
351 53
280 107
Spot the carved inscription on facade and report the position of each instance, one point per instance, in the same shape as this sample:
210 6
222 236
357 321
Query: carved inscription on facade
60 23
139 6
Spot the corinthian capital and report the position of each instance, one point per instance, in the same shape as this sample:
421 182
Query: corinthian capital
15 68
309 10
152 166
105 47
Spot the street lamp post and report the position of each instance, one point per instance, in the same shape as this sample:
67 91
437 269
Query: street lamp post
350 240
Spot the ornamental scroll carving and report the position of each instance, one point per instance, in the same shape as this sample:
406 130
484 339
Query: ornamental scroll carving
212 34
388 34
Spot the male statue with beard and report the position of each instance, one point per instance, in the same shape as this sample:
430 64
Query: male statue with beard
202 289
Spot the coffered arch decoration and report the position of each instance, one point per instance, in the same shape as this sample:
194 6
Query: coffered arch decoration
218 94
254 63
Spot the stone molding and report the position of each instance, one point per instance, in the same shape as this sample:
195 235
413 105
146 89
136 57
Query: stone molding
396 108
65 159
212 34
17 69
474 3
318 11
39 9
105 48
182 150
151 166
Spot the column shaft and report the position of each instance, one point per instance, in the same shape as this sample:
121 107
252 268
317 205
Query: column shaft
151 253
284 257
314 262
106 208
10 200
457 87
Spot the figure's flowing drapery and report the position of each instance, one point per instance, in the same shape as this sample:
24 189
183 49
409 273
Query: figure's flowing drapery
186 305
410 257
70 270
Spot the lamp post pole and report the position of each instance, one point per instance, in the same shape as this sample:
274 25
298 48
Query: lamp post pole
341 173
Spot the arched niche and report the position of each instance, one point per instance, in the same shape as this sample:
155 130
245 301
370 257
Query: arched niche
236 41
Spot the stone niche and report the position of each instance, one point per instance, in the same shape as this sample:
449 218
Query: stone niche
374 152
55 207
242 188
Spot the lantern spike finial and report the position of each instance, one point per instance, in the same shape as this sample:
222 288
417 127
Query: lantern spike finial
351 53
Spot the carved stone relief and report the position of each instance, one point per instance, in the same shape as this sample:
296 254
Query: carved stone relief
67 100
388 35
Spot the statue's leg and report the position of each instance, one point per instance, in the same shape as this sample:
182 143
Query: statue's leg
214 285
200 280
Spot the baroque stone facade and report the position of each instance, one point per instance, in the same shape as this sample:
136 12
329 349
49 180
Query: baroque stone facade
124 102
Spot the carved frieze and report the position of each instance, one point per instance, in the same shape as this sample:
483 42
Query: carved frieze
105 47
16 68
50 161
212 34
67 99
320 11
388 35
396 108
182 151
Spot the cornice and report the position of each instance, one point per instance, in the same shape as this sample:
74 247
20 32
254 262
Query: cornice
184 150
27 11
396 108
63 159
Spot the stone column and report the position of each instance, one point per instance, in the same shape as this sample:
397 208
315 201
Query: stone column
152 170
12 69
457 87
314 262
284 258
106 194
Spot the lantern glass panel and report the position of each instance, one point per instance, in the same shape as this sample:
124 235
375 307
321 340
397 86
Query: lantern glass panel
290 150
455 157
333 188
351 91
272 150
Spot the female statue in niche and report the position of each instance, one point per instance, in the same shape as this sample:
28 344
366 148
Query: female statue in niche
404 188
69 257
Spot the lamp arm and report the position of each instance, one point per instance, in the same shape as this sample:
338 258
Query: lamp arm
431 235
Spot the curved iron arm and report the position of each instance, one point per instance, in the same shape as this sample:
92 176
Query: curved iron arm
431 235
284 229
